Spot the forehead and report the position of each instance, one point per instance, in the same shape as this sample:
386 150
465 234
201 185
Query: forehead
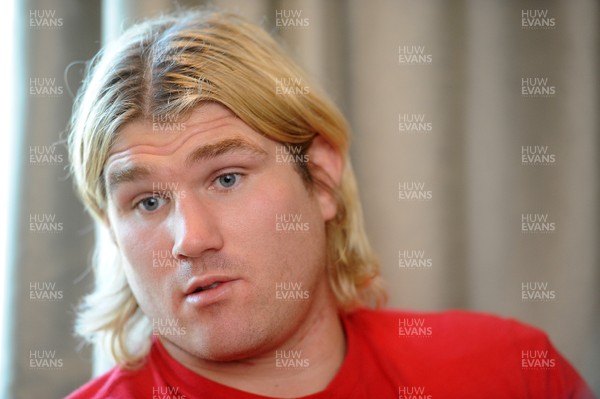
169 133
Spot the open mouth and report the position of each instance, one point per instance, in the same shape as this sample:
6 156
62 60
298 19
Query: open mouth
208 287
209 290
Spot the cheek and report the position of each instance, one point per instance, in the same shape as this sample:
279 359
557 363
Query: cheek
281 229
136 243
139 248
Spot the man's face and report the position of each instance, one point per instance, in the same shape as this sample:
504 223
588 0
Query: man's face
195 215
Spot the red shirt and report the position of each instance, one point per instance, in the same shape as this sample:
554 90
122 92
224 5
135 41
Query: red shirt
390 354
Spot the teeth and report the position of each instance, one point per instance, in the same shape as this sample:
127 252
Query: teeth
214 285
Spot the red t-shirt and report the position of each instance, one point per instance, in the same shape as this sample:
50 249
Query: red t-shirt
390 354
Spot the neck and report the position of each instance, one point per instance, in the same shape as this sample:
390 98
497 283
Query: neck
317 347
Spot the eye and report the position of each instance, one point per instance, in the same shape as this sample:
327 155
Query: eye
228 180
151 204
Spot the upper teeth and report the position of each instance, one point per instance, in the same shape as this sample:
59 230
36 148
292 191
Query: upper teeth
214 285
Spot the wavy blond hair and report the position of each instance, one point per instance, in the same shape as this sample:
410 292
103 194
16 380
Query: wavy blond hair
168 66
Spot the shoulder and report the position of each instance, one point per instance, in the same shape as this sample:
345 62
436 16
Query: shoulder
477 349
449 333
451 324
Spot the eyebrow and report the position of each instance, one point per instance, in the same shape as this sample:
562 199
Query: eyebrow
209 151
203 152
126 175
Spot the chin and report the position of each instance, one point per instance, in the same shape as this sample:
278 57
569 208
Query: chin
237 347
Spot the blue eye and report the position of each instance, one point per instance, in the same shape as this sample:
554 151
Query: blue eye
151 204
228 180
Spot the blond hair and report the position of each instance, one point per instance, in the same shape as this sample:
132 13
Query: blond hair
169 65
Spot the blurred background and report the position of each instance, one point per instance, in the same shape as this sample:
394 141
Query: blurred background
476 140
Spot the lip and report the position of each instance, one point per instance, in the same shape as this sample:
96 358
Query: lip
207 297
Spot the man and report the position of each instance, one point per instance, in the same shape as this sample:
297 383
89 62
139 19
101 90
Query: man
232 261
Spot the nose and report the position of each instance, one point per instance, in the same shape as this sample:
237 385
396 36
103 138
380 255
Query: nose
194 228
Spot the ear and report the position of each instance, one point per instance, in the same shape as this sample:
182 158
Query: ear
327 166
